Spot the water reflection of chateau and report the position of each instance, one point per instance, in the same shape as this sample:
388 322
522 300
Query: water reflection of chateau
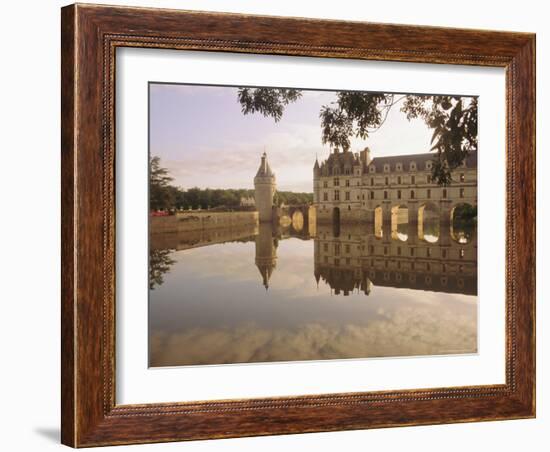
353 261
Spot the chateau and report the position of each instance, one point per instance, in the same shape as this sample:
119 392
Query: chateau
354 187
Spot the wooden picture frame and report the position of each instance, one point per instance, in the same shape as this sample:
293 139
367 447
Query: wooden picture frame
90 35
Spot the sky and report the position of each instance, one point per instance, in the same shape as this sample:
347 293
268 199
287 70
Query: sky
205 141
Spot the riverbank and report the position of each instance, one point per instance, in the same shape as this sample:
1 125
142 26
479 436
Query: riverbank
194 220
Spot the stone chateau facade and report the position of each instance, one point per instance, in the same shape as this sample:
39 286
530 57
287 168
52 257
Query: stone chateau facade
354 187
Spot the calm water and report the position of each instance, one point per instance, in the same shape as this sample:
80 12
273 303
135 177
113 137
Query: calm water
257 294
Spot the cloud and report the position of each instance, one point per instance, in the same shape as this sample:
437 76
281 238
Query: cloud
405 332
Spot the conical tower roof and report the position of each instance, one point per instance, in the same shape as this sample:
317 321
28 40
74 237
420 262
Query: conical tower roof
264 170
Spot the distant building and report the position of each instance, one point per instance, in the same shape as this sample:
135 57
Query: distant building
355 187
265 186
247 201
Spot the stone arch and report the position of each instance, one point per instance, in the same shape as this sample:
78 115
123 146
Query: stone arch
400 222
378 222
463 222
297 220
429 222
336 221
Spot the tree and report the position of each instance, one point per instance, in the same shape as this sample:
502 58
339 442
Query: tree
356 113
161 193
160 262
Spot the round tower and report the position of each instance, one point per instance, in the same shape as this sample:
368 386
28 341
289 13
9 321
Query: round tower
264 186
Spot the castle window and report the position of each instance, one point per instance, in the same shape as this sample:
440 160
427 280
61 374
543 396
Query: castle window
337 195
326 259
372 180
443 268
336 182
325 196
399 251
428 165
358 182
412 194
347 195
398 194
412 251
346 171
325 246
462 193
443 254
371 195
385 250
337 249
372 168
413 180
428 179
412 166
385 195
398 167
461 253
349 207
325 184
428 252
386 168
347 249
347 182
462 178
428 193
398 179
444 193
387 181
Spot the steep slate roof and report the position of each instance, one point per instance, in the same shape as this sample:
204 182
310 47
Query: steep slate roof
419 159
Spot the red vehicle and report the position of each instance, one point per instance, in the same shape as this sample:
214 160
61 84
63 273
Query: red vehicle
160 213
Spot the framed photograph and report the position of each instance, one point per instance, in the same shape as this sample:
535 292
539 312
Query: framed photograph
281 225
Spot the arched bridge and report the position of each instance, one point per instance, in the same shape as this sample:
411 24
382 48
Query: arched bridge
297 216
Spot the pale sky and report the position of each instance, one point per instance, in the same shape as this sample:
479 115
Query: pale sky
204 140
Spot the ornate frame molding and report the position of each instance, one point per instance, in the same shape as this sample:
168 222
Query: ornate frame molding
90 37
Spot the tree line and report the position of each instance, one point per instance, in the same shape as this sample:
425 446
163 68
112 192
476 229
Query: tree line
163 195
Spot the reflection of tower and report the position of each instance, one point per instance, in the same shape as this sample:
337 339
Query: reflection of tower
266 252
264 185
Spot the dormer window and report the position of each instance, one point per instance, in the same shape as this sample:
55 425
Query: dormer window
372 168
428 165
399 167
413 166
386 168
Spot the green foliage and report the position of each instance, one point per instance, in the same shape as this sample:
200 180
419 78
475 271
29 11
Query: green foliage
160 262
358 114
213 198
267 101
465 213
161 193
290 198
